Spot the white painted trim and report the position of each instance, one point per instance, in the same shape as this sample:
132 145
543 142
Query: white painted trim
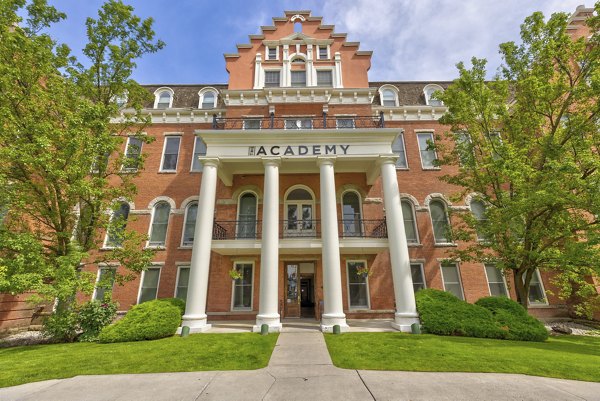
162 198
462 291
237 213
414 215
148 245
162 158
243 262
194 154
269 47
428 91
143 275
394 90
487 279
447 220
201 94
360 208
350 307
420 132
185 217
161 90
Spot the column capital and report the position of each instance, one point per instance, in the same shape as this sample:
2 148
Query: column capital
327 160
210 161
386 159
271 161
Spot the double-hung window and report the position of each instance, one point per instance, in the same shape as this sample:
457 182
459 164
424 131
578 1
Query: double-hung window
170 153
160 223
104 283
242 286
358 286
440 222
189 225
272 78
416 271
399 149
495 280
410 225
116 229
323 53
183 278
149 286
199 150
428 156
324 78
451 279
298 78
133 152
537 295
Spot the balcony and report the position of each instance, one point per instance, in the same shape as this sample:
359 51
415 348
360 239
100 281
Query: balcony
298 123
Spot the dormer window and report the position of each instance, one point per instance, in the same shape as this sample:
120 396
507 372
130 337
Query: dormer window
121 100
323 53
388 95
163 98
430 99
208 100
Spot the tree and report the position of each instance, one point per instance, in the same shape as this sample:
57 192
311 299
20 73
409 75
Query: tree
60 165
527 145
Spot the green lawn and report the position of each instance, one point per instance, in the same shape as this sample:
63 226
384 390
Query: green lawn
567 357
175 354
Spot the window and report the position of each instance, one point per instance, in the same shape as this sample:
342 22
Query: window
496 144
183 278
428 156
242 287
323 53
199 150
300 123
388 98
104 283
299 78
325 78
451 279
410 225
170 153
163 100
191 213
358 287
116 229
418 279
398 149
247 216
351 214
495 280
478 211
430 99
344 122
252 123
149 287
133 152
121 100
209 100
439 221
537 295
464 149
160 222
272 53
272 78
299 206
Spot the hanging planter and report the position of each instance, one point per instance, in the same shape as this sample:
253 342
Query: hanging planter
235 274
363 272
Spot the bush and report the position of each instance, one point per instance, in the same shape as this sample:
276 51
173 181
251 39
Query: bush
180 303
93 317
61 326
490 317
147 321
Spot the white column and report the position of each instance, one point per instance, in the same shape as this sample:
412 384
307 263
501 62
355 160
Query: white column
333 308
406 309
269 254
195 307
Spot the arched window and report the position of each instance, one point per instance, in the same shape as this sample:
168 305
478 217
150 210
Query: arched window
351 214
209 100
478 210
410 226
116 229
164 100
429 91
388 98
299 206
439 220
160 223
247 216
298 73
191 213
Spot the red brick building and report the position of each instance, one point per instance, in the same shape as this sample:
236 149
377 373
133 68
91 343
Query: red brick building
298 177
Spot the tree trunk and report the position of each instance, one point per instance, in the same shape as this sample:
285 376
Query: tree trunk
521 288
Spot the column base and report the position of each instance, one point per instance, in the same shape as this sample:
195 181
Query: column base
403 321
328 320
271 320
196 323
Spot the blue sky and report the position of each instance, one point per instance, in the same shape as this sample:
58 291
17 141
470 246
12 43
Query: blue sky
411 40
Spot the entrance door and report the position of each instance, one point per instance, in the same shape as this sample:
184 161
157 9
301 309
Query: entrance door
307 295
292 293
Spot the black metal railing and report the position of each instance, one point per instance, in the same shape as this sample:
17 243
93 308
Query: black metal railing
298 123
359 228
300 228
237 229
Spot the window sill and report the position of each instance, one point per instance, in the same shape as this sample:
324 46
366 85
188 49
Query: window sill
195 171
157 247
167 172
402 169
444 244
360 309
110 248
185 247
133 171
431 168
415 245
540 305
242 310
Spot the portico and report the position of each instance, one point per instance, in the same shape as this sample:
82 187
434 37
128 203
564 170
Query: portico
328 153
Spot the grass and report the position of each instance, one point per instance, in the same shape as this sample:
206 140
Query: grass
174 354
567 357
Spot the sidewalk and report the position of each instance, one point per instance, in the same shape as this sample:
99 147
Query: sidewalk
301 369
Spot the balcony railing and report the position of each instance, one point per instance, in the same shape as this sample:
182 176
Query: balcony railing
297 123
349 228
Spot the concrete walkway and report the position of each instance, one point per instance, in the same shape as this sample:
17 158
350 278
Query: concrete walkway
301 369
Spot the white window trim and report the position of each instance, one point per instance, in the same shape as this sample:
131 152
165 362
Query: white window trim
98 279
185 217
432 88
153 266
243 262
162 159
179 267
237 212
350 307
131 170
193 155
534 304
422 272
446 206
152 212
417 132
401 135
319 52
462 291
393 89
157 96
203 92
267 48
487 279
360 206
413 209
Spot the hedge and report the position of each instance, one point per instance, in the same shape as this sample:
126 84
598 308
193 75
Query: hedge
494 317
147 321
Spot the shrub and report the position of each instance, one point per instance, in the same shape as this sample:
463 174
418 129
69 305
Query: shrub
147 321
61 326
180 303
511 315
93 317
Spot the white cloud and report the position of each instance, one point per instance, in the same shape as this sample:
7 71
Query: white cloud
423 40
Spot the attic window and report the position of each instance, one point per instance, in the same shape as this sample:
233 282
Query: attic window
208 100
429 91
164 100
